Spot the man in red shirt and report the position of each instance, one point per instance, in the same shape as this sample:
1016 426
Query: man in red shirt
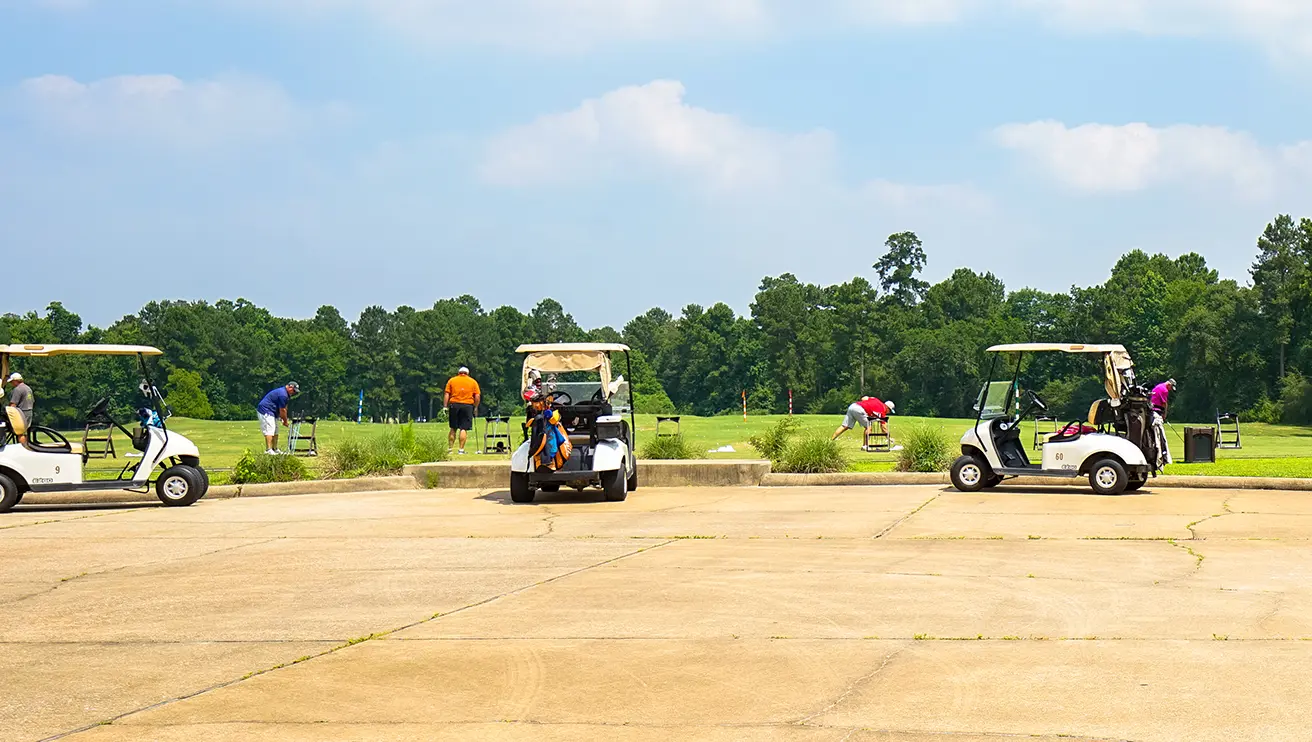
863 414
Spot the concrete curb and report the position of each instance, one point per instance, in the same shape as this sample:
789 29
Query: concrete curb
693 473
231 491
889 479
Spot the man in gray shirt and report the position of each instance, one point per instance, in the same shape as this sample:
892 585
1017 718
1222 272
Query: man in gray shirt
22 399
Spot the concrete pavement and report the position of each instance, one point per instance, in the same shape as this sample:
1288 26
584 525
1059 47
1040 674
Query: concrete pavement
899 613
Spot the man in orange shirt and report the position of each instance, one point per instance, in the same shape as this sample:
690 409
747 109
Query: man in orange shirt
461 402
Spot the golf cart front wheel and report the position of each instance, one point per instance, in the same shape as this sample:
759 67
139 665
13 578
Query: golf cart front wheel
180 486
1136 484
9 494
1108 477
615 485
969 474
519 489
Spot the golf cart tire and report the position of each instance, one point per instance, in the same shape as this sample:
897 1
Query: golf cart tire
992 482
1136 484
1108 477
10 495
969 474
550 487
519 490
614 485
633 480
180 486
205 480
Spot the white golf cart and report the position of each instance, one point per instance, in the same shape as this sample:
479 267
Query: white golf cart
1115 447
49 462
603 441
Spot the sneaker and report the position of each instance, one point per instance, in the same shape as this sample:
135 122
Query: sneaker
270 452
462 452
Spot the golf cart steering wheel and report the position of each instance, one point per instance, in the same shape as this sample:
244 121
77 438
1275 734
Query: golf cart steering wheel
562 398
597 398
1037 401
98 409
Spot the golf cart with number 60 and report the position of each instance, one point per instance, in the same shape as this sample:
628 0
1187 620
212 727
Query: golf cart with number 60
39 459
1114 447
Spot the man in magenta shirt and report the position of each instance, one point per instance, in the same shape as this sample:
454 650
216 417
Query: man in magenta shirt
1161 397
862 414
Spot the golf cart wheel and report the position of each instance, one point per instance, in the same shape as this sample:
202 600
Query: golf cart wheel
550 487
992 481
9 494
632 484
204 479
519 489
1136 484
1108 477
180 486
615 485
969 474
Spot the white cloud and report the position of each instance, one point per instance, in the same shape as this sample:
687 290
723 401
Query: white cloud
651 130
159 109
1133 157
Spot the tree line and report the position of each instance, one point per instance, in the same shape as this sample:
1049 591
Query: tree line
1232 347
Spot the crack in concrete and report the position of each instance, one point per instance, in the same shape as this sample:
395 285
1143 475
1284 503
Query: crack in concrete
350 643
908 516
852 687
68 580
549 521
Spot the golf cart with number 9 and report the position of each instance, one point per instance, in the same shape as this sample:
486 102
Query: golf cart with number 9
49 462
1114 447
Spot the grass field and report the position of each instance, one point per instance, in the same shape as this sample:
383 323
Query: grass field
1269 450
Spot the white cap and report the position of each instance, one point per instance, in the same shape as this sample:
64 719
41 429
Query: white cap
15 376
891 405
464 370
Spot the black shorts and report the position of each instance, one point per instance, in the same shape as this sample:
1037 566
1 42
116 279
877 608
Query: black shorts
462 416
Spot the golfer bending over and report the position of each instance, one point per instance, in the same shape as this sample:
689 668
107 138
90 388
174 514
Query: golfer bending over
1161 401
863 414
270 409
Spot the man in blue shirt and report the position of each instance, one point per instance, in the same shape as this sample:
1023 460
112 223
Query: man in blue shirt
271 409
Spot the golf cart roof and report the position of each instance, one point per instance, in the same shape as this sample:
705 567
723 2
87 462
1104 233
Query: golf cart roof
573 348
1056 347
36 350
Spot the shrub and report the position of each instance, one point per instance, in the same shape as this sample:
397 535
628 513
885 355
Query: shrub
260 468
382 454
657 403
772 443
667 447
925 448
1265 411
813 454
1296 399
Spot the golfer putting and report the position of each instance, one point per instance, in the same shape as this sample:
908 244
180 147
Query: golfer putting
865 414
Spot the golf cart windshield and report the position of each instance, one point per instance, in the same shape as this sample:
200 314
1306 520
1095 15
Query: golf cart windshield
997 399
573 358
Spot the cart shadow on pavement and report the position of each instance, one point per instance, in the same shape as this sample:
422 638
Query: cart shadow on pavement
572 497
61 507
1033 489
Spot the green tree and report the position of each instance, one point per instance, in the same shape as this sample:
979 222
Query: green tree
186 397
899 267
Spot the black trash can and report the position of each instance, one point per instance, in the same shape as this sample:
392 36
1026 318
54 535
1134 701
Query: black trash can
1200 445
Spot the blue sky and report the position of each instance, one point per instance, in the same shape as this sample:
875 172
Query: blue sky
623 154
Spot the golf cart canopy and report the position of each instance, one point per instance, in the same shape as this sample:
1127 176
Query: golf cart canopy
559 358
41 351
1117 366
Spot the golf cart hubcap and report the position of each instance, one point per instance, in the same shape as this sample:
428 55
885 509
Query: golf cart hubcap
1107 476
175 488
970 474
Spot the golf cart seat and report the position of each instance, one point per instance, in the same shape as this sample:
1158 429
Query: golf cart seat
1099 415
53 442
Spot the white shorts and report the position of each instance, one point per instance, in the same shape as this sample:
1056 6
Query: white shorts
268 424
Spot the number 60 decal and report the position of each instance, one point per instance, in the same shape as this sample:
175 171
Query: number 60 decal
1060 456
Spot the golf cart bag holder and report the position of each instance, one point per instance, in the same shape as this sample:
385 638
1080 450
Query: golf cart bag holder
1043 427
496 434
98 441
1227 426
300 444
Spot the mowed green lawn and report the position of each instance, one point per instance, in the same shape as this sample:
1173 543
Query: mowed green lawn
1269 450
